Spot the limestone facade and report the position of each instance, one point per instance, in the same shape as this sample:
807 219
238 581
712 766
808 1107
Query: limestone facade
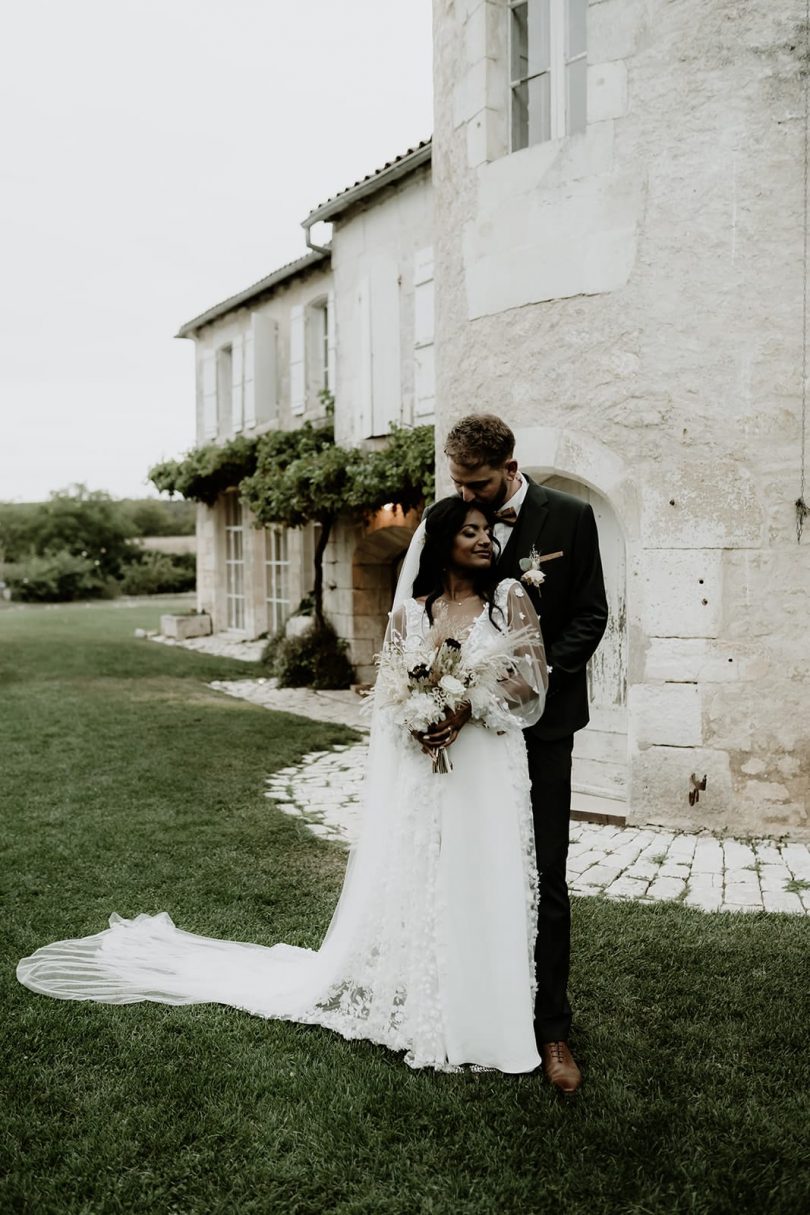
355 318
629 298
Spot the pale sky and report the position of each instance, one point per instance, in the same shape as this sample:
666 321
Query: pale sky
157 156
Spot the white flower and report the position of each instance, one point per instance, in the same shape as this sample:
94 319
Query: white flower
421 711
533 577
451 684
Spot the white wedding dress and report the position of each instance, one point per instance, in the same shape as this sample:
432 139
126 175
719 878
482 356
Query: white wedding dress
431 948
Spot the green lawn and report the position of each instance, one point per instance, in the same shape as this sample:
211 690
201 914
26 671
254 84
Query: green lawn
129 786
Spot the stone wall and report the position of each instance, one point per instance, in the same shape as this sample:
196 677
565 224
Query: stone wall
630 300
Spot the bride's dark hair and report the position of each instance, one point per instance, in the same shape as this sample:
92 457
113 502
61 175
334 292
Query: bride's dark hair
443 521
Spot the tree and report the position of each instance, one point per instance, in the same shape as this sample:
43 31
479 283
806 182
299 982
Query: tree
301 476
207 471
80 522
295 477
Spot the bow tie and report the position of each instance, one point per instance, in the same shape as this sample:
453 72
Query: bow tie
507 515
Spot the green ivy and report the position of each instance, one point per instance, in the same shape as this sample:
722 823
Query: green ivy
207 471
294 477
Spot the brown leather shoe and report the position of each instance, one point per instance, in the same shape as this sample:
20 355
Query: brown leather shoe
560 1068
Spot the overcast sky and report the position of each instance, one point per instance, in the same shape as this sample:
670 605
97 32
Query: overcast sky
157 156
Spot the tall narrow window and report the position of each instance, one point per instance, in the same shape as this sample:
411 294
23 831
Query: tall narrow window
277 570
530 55
576 65
318 348
234 561
548 68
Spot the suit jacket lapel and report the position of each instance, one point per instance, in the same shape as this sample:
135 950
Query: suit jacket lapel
530 523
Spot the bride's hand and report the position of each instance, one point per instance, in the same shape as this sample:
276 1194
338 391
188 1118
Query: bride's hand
444 733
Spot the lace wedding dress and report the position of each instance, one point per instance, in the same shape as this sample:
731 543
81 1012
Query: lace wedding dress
431 948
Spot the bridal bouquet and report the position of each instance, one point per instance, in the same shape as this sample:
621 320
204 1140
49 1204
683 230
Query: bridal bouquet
423 680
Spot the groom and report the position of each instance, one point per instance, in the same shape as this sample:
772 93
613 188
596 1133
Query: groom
573 613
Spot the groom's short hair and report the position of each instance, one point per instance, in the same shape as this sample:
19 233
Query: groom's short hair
480 438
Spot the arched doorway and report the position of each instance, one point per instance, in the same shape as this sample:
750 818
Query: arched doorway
600 776
375 565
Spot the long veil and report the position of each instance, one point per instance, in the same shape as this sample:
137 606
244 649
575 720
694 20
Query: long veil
347 984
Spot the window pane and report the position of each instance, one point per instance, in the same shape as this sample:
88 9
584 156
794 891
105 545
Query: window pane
576 96
539 36
519 43
576 22
540 108
520 117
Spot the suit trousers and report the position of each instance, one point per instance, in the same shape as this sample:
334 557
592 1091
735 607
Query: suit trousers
550 773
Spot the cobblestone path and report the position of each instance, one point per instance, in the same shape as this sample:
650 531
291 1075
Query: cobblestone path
643 863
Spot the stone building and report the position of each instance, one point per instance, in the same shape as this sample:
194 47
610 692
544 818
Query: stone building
615 196
353 316
619 227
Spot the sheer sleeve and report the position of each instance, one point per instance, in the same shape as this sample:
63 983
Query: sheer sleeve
524 692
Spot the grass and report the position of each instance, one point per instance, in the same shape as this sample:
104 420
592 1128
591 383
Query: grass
129 786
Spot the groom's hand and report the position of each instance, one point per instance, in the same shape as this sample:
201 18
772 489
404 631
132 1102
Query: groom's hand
445 732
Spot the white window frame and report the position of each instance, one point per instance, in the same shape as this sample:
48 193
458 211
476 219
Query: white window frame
318 352
277 577
225 402
551 69
235 598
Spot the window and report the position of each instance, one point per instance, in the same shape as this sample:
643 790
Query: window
234 562
548 66
318 347
277 571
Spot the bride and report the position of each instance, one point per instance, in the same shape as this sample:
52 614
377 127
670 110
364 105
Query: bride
431 947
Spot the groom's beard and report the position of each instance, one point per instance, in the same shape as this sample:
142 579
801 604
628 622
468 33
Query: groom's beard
494 503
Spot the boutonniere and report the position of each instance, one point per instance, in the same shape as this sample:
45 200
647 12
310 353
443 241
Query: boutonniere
532 574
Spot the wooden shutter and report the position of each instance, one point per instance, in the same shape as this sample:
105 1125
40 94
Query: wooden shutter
264 341
209 394
364 369
249 380
423 358
297 380
386 372
238 355
331 343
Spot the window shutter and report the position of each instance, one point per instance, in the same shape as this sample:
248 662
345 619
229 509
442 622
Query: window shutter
331 343
423 298
209 393
249 380
424 386
423 358
364 386
386 379
238 353
297 382
264 342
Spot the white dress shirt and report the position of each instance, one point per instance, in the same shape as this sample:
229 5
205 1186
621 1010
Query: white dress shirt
502 530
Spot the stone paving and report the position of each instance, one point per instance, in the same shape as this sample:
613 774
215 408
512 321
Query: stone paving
219 644
648 864
339 708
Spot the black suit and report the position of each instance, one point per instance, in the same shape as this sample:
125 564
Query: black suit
573 612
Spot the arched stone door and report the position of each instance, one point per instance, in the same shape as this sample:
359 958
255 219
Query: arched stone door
600 775
375 565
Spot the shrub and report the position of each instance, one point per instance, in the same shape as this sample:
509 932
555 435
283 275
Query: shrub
160 574
58 577
317 659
